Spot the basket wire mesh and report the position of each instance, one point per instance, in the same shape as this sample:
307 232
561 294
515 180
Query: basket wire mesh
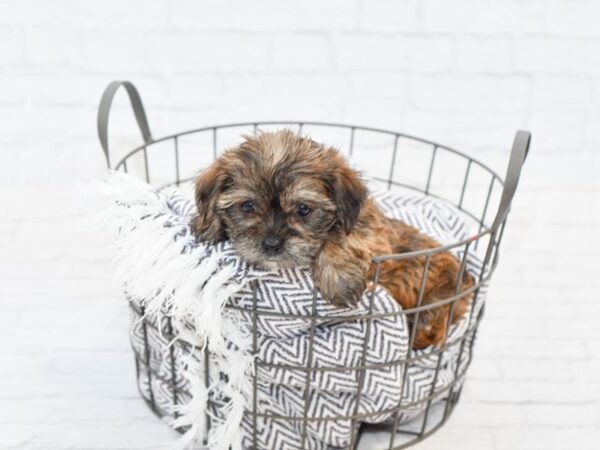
489 222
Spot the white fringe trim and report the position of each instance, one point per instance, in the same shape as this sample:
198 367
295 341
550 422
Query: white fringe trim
150 263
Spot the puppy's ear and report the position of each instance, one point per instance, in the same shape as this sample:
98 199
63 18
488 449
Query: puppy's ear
349 194
207 224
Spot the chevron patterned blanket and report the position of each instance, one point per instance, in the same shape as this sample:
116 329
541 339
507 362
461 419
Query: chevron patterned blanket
207 292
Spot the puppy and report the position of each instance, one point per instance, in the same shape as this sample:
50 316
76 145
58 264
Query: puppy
283 200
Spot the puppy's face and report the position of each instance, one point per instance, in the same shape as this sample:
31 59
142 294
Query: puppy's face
277 197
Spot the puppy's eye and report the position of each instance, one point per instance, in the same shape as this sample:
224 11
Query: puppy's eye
247 207
302 210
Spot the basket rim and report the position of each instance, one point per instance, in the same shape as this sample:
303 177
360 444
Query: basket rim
301 123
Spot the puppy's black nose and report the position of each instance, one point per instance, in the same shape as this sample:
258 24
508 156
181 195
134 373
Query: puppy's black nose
272 245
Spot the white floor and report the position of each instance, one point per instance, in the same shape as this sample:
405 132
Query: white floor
67 375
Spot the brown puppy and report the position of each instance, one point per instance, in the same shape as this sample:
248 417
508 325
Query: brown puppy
284 200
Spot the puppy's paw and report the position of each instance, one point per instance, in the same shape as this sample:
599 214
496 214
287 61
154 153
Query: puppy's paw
431 328
347 292
338 287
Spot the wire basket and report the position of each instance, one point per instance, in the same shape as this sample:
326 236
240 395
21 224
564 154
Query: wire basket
475 190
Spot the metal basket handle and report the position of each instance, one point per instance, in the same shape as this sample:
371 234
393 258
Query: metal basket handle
104 112
519 152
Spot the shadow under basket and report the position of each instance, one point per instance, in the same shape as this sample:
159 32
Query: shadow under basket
429 381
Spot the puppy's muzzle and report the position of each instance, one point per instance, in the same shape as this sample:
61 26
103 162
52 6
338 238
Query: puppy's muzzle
272 245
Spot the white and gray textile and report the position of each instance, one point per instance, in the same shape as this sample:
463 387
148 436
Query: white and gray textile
284 346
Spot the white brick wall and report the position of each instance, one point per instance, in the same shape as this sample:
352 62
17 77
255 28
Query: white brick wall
465 72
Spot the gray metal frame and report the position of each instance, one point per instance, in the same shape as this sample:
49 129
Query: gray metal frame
490 234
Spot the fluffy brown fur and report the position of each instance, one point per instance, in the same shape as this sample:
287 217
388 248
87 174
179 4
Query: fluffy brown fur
284 200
